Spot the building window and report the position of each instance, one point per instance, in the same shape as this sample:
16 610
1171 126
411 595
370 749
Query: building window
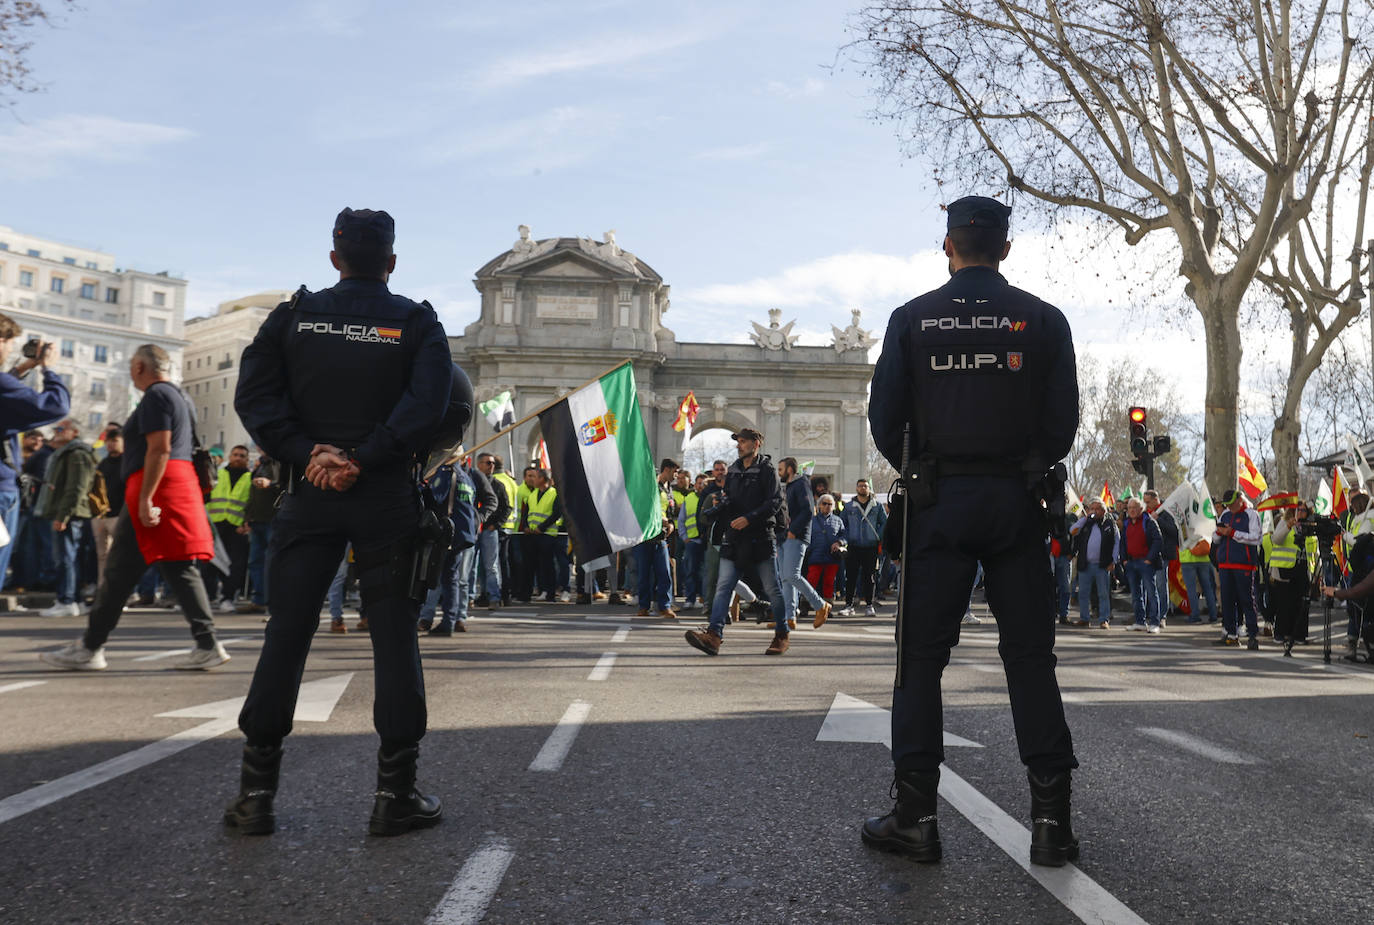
159 298
57 283
197 362
112 295
69 261
110 318
94 420
205 412
97 388
222 413
26 278
92 265
88 290
224 383
68 349
34 252
157 326
188 366
100 353
86 314
4 246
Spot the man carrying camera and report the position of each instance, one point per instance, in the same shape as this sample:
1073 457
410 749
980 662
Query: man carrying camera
21 407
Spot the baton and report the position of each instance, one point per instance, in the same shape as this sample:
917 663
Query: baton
901 562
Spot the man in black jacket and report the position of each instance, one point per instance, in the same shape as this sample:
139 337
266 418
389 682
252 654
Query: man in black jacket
1094 541
1168 530
752 499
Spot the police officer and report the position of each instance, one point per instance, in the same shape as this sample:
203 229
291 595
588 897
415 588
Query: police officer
984 376
344 386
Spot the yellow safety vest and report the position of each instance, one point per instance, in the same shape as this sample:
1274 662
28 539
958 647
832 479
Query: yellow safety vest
541 508
522 500
229 504
1267 549
1285 554
508 483
690 505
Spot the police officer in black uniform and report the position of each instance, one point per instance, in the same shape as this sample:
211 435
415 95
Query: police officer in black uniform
345 386
983 375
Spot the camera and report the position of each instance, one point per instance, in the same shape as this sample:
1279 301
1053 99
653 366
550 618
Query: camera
31 347
1324 528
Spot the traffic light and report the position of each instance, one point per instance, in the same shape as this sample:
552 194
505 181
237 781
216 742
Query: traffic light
1140 446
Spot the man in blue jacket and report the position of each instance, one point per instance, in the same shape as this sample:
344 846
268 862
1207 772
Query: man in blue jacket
21 408
800 510
864 523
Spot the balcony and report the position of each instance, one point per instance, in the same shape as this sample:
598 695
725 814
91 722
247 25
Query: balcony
225 364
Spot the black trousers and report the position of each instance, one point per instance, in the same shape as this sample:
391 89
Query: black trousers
1289 600
124 566
861 566
946 543
308 539
526 566
507 564
236 546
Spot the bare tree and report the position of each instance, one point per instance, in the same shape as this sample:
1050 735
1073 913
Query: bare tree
1222 123
15 17
1102 450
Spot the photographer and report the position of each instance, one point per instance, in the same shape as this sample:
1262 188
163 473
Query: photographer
1288 576
21 407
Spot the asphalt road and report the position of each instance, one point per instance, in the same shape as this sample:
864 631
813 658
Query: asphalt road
595 768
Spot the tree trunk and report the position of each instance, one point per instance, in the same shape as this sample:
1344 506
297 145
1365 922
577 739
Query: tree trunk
1288 425
1223 389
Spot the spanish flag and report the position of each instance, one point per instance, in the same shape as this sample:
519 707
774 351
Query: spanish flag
1340 493
1106 496
1283 499
1248 476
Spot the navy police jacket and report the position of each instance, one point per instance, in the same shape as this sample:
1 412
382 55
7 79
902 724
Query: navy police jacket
354 366
981 370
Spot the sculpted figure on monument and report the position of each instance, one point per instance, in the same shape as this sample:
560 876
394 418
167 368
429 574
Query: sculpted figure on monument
776 336
525 249
853 337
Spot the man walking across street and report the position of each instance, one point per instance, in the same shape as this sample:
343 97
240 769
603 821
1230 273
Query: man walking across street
988 407
800 509
65 501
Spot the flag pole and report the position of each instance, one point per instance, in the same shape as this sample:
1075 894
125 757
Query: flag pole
545 407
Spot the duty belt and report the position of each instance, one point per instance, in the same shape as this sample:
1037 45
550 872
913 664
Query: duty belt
1005 468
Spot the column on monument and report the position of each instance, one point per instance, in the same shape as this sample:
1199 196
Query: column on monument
506 313
854 424
774 436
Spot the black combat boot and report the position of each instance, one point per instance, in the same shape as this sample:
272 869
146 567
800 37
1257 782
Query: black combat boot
399 806
1052 840
251 812
910 828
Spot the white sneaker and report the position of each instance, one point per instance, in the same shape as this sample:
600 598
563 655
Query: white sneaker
199 659
76 657
1153 631
870 612
971 620
1138 627
226 606
564 597
846 611
62 610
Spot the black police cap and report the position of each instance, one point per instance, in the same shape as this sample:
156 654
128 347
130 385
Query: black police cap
977 212
364 226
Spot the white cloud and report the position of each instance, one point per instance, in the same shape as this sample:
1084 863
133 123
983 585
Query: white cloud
559 137
605 52
855 279
734 152
41 148
811 86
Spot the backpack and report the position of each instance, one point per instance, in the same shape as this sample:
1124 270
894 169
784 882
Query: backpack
98 496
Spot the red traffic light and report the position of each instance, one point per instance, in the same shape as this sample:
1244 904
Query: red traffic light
1137 415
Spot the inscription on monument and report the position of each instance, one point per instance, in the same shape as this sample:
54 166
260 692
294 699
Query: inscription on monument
567 307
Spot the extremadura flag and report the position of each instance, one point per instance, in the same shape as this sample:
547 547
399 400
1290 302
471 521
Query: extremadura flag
600 457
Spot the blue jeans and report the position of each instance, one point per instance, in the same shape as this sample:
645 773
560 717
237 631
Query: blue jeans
259 537
9 513
693 558
1200 573
1061 582
1141 577
1089 577
791 560
1162 589
730 574
64 547
655 583
1238 601
489 565
336 588
452 591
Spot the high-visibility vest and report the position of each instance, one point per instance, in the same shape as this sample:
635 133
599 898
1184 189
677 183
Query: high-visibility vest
522 500
1185 555
1267 548
508 483
229 503
1285 554
541 508
689 506
665 497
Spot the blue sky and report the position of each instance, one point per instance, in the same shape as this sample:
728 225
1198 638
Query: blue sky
718 139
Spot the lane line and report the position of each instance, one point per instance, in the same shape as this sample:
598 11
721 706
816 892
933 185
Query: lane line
560 741
602 671
621 634
20 685
473 889
1191 743
182 651
51 792
1081 894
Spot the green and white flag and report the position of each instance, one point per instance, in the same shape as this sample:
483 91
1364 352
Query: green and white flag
599 453
499 411
1324 501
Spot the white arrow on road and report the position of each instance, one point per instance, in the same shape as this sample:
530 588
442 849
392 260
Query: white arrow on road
315 704
853 720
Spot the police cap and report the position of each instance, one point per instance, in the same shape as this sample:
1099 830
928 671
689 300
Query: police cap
977 212
364 226
748 433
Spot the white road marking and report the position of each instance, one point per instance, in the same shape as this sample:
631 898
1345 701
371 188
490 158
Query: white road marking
560 741
850 719
1191 743
225 717
621 634
602 671
20 685
169 653
475 886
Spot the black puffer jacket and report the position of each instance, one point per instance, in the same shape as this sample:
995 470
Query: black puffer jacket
756 495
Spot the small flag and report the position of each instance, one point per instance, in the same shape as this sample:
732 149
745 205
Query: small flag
1106 496
1322 505
686 412
498 411
808 467
1248 478
1340 494
1073 503
1278 501
1178 591
1363 473
544 456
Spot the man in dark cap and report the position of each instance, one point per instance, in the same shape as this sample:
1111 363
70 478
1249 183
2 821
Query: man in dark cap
344 387
747 509
982 378
1237 547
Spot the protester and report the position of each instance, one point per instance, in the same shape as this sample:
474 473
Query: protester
112 476
228 509
864 523
651 557
1237 541
1138 548
1094 543
65 501
496 524
1288 576
264 494
827 549
1168 551
796 541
